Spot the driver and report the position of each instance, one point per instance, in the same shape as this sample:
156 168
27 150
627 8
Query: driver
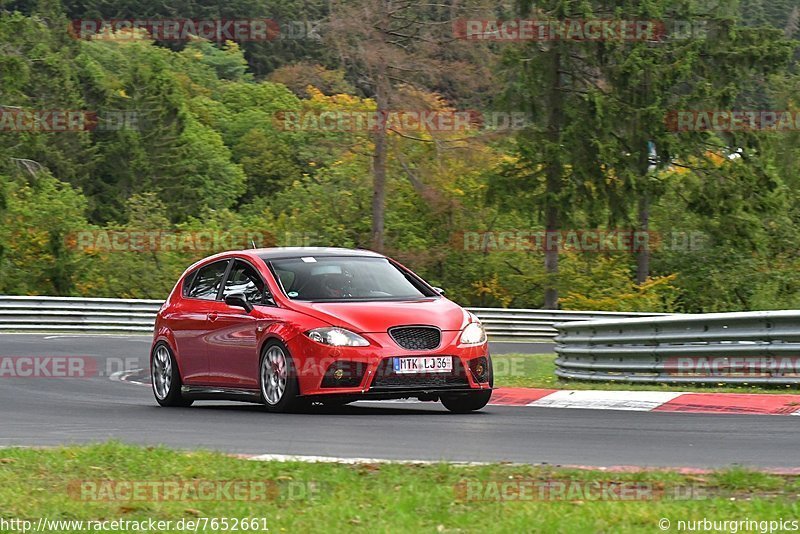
337 285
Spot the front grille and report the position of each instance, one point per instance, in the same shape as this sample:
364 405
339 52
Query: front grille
385 377
416 337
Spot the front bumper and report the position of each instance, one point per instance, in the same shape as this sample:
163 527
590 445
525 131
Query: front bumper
425 395
368 373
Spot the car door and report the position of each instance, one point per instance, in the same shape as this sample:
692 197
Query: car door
234 346
192 324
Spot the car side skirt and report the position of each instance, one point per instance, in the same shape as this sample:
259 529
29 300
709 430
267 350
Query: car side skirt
217 393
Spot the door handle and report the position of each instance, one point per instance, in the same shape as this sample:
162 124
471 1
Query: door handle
213 316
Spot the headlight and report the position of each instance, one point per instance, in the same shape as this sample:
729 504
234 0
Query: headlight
337 337
473 334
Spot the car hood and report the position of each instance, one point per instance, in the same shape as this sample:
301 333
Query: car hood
373 317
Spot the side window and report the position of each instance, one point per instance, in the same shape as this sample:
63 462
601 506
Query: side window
244 279
187 283
207 281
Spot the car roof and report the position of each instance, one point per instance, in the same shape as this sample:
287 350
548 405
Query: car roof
281 253
284 253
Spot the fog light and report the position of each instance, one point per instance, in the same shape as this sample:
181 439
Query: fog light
480 369
344 374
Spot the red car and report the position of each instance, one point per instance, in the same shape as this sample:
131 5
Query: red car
287 327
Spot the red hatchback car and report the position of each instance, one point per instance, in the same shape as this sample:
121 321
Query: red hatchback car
287 327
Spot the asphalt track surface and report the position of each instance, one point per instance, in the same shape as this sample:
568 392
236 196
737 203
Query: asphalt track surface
53 411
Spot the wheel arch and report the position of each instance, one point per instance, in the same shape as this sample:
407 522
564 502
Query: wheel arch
166 337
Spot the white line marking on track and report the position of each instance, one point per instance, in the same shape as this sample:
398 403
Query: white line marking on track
124 376
640 401
351 461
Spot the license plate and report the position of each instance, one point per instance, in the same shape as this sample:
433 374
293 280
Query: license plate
423 364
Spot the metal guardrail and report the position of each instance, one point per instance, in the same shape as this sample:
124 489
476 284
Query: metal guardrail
525 325
730 348
67 314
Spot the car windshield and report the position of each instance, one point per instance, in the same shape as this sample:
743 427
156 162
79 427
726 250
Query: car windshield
345 279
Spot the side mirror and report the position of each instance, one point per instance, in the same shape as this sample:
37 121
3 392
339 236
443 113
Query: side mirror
238 300
439 290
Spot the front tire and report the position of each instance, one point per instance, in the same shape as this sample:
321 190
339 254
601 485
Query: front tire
278 379
166 378
467 402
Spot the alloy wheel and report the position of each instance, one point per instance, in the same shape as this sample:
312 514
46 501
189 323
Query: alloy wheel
273 375
162 372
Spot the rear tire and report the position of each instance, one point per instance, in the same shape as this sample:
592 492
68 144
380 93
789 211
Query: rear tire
277 380
166 378
467 402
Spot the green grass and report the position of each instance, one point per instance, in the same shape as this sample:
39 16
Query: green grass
380 498
538 371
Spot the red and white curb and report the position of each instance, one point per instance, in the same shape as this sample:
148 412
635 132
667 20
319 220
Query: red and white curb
650 401
634 401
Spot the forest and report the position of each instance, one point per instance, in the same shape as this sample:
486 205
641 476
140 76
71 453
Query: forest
652 166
